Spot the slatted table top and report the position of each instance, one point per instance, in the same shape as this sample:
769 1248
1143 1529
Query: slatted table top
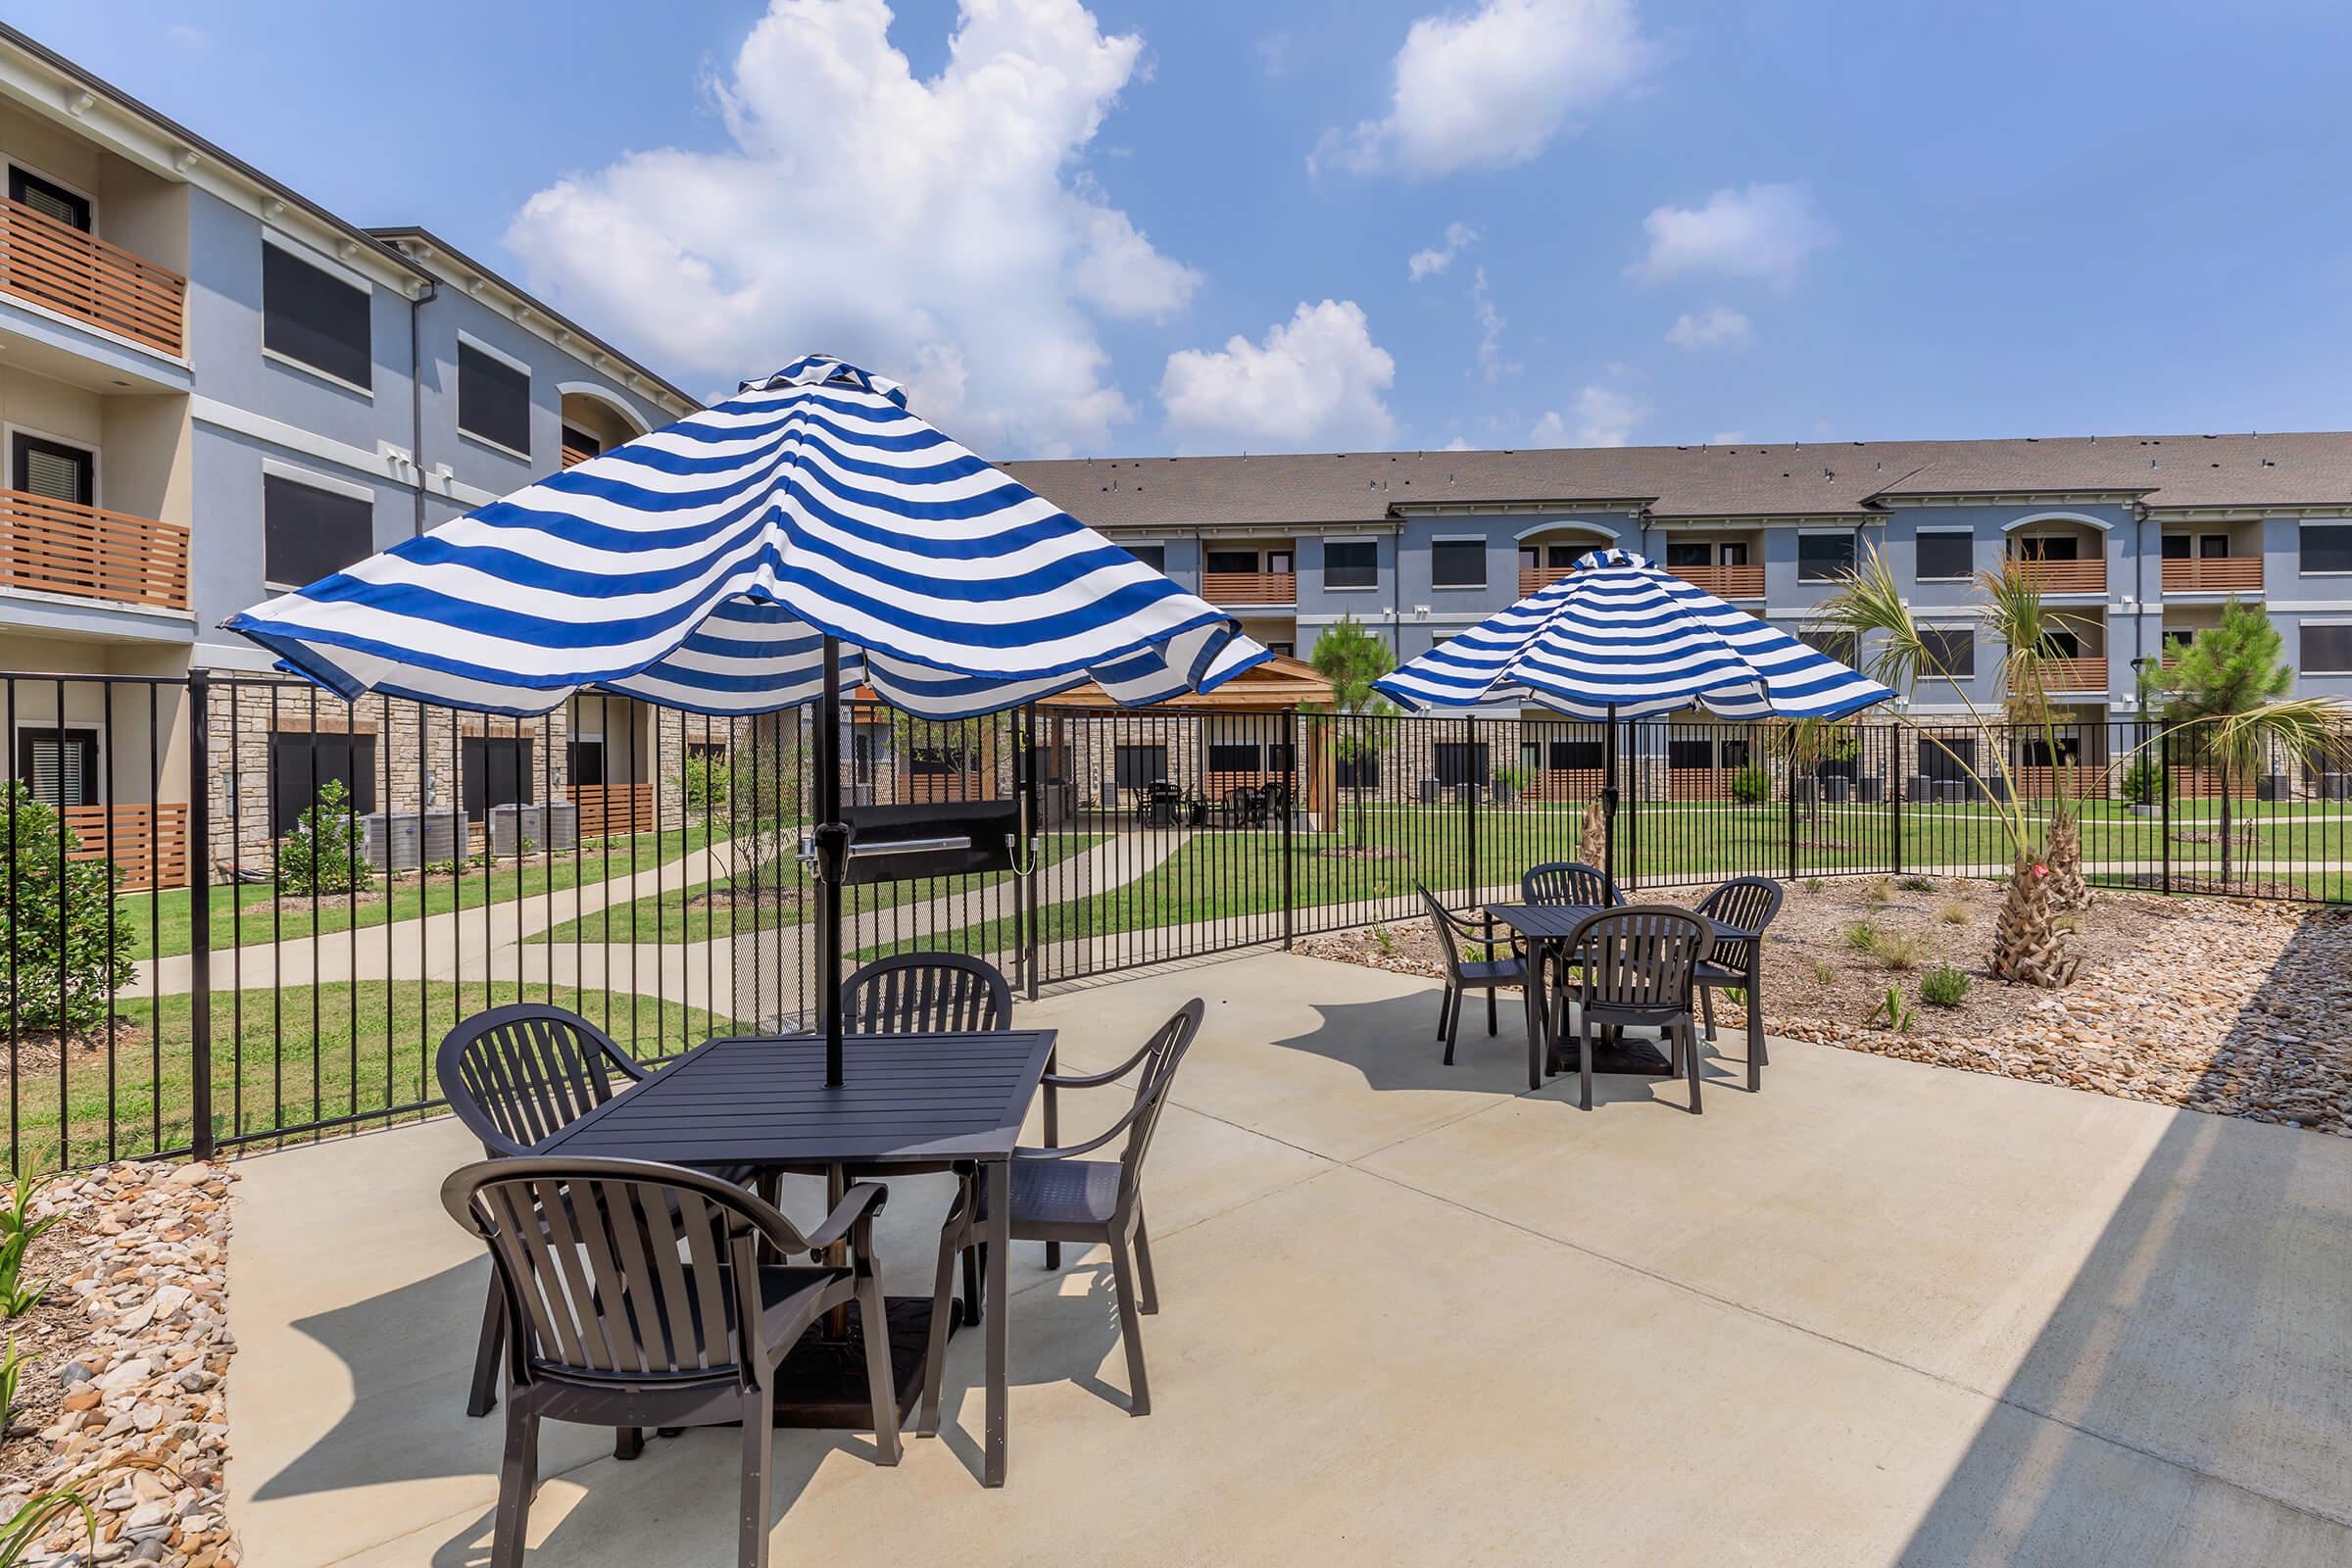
761 1101
1553 921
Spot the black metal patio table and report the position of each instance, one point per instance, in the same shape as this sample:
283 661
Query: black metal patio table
911 1100
1553 922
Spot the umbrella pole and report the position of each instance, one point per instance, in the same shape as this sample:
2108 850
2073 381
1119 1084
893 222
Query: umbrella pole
832 857
1608 797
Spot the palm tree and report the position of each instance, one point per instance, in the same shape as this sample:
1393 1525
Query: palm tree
2013 614
1351 659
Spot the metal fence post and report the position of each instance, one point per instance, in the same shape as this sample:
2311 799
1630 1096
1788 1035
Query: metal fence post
1290 815
1470 788
1895 794
2164 779
1789 770
200 912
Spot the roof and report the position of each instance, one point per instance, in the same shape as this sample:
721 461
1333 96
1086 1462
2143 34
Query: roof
1856 478
1270 685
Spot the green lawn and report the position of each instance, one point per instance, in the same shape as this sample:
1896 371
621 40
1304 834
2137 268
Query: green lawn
290 1057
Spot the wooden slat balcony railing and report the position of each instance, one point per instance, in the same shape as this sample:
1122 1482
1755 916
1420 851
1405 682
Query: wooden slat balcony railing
575 456
2087 675
609 809
149 844
1250 587
2214 574
1724 582
1534 579
2067 576
81 276
62 547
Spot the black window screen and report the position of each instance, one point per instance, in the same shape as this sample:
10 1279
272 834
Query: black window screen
2326 649
1576 755
2328 547
495 771
1461 762
1458 564
1691 753
587 763
1354 563
1229 561
1944 756
494 399
308 313
301 765
1233 757
1820 557
1948 653
1943 554
1153 556
1838 645
1134 768
308 534
1359 772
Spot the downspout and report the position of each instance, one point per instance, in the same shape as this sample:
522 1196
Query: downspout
416 304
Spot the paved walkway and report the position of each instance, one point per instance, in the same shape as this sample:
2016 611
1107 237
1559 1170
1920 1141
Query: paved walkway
1882 1313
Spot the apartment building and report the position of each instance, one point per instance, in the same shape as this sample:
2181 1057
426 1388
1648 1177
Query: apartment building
212 388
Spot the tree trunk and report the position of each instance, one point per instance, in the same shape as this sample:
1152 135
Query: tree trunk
2027 944
2067 888
2228 830
1592 842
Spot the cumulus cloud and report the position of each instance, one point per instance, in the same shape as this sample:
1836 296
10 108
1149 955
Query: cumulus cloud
1457 444
1765 231
1492 88
1604 416
1490 363
936 229
1437 257
1716 326
1727 438
1314 382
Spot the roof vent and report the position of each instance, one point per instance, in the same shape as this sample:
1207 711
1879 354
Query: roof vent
2268 463
1829 474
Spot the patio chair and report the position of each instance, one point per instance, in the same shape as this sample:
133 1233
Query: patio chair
1060 1197
1634 968
515 1076
1570 882
926 993
1465 975
1749 903
641 1303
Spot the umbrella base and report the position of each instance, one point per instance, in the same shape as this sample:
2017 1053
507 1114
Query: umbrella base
823 1382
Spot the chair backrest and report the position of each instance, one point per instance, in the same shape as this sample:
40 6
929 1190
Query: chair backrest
925 992
1161 1059
1569 882
519 1074
1641 956
613 1267
1747 902
1442 918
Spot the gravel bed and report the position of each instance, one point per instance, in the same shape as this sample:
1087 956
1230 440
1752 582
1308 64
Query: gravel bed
2231 1005
127 1401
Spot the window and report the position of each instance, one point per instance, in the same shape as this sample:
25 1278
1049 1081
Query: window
1689 754
1458 564
869 746
1733 754
2036 752
1679 554
59 766
1280 560
584 762
1942 756
1350 564
1233 756
1229 561
1838 645
2328 647
2326 545
52 201
1461 762
1733 552
2061 645
1947 652
2046 547
2177 637
494 770
1153 556
1820 557
300 765
2213 546
494 400
1283 650
315 318
2175 546
1576 755
577 440
1945 555
308 534
40 466
1136 767
1359 772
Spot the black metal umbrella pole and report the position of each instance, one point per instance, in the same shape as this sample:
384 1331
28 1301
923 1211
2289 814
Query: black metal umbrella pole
832 836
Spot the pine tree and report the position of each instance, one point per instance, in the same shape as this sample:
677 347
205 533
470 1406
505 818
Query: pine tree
2227 669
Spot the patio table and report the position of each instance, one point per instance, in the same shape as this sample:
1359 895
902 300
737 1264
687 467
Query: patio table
1552 923
911 1100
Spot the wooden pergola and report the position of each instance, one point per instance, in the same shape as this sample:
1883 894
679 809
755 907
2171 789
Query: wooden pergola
1280 685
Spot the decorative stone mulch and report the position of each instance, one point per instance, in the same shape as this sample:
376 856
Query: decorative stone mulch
126 1401
2231 1006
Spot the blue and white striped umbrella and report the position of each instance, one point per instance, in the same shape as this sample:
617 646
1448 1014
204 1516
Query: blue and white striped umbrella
701 565
1617 637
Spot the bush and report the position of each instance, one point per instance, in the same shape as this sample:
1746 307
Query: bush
1943 986
1863 936
708 782
1917 884
1751 786
323 853
2141 781
1951 911
58 959
1900 950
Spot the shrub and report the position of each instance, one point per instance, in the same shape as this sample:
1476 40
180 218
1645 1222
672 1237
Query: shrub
708 782
1952 912
2141 780
324 853
1893 1009
1814 884
1916 884
1824 974
1751 786
1863 936
1900 950
58 960
1943 986
1880 891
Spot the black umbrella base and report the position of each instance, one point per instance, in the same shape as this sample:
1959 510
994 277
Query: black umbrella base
823 1382
1636 1058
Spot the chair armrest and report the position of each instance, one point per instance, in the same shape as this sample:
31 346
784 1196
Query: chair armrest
853 1217
1091 1143
1091 1080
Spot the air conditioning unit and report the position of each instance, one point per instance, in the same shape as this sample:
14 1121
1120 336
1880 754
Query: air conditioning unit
552 828
403 841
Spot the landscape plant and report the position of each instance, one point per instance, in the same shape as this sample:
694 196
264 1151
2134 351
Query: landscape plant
1944 986
2228 670
63 955
325 853
1751 786
1351 658
1893 1009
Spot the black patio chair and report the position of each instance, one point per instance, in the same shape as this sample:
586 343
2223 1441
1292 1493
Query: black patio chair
926 993
1570 882
640 1301
1634 967
1749 903
1060 1197
515 1076
1465 975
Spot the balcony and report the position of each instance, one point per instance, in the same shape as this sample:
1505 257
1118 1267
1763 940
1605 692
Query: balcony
1250 587
80 275
2088 674
2065 576
60 547
2214 574
1724 582
573 456
1534 579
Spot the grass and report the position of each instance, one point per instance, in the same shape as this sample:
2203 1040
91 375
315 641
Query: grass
339 1050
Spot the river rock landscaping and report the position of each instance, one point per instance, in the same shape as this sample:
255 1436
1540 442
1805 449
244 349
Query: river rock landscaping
2231 1005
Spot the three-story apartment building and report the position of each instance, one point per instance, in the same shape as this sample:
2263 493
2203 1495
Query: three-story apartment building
212 388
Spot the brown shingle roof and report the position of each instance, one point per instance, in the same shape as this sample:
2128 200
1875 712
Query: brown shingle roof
1803 479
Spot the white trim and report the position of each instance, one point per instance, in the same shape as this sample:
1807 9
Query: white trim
467 340
1824 530
601 394
311 255
380 464
281 357
2084 518
1601 528
8 455
1461 539
297 474
1351 538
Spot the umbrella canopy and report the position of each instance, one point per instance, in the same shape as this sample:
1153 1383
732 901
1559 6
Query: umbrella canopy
1618 638
702 567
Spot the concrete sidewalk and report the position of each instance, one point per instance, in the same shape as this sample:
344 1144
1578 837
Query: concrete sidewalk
1882 1313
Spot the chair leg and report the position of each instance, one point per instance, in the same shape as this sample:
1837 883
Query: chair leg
759 1449
1691 1056
1454 1025
488 1356
627 1443
1583 1062
881 1377
935 1363
974 1258
1706 1007
1445 1007
518 1479
1130 1326
1148 1302
1492 1026
1538 1036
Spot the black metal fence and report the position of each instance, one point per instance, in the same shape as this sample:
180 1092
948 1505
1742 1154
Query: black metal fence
239 909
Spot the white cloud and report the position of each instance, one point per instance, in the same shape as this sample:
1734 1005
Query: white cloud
1764 231
1716 326
194 39
1490 363
1316 383
1605 417
1492 88
933 230
1457 444
1727 438
1437 257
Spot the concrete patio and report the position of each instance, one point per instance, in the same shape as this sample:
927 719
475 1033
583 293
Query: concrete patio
1882 1313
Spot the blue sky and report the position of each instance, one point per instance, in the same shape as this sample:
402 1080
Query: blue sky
1145 227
